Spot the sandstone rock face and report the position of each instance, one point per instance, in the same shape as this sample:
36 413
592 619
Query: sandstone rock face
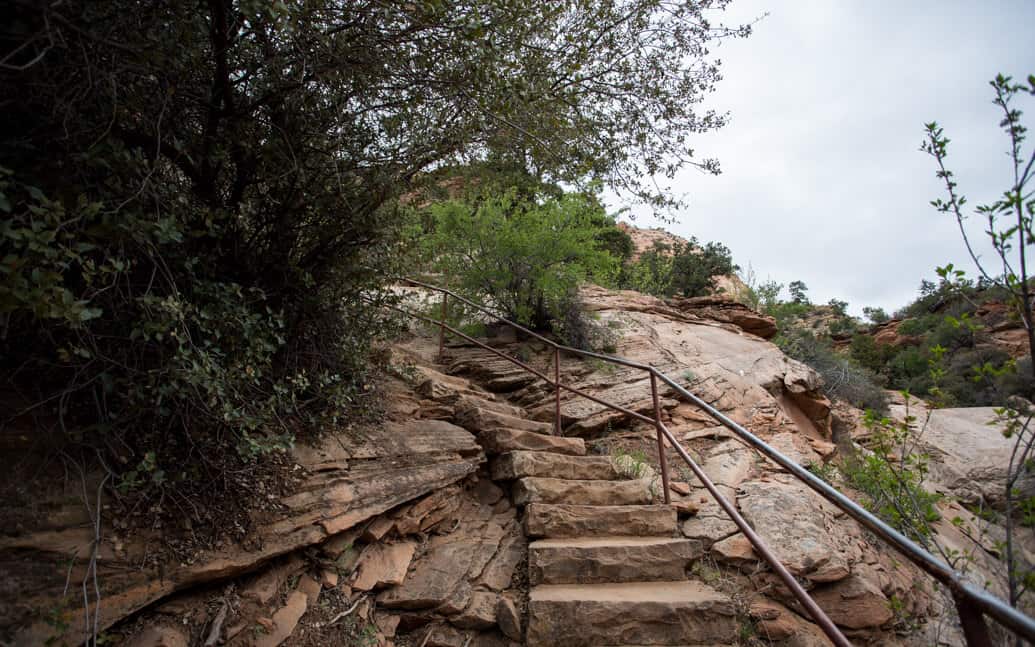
609 559
887 334
349 479
642 613
515 465
855 603
553 490
383 565
792 519
501 441
436 576
723 309
563 520
968 455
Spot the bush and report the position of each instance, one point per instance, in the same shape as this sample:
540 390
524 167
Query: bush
686 270
524 254
842 378
576 327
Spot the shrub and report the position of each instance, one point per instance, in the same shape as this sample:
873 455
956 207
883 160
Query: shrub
525 254
892 477
842 378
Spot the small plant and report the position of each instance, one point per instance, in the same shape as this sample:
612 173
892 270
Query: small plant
631 465
826 471
892 476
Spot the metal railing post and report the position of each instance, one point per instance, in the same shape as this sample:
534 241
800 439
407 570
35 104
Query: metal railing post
972 621
557 389
442 328
661 438
972 603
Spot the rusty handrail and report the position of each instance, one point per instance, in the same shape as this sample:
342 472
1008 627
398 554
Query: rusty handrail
971 603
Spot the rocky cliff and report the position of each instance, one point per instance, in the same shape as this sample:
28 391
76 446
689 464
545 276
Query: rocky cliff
404 534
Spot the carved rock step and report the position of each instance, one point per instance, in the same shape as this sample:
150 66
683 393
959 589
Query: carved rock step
546 490
633 613
610 559
500 441
551 520
515 465
479 419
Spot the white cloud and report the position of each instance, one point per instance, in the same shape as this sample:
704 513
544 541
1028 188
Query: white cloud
822 177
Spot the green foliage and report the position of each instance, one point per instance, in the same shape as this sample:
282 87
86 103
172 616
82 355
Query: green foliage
686 270
842 377
632 465
876 315
892 477
799 292
527 257
768 295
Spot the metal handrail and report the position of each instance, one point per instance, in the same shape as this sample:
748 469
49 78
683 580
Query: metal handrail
971 603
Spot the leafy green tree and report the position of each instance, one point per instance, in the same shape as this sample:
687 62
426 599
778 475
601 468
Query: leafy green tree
199 198
769 295
876 315
839 307
684 269
694 268
799 292
1007 222
526 257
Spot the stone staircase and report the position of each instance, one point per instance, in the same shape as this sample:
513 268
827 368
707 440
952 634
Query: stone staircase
606 565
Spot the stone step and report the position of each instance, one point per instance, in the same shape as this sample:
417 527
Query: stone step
478 419
631 613
563 520
534 489
515 465
501 441
589 560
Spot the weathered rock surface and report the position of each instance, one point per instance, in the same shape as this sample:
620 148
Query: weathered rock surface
349 479
642 613
551 490
564 520
478 419
449 562
501 441
968 455
855 603
515 465
724 309
588 560
383 565
796 524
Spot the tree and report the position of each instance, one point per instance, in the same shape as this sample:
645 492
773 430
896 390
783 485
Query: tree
799 292
875 314
173 168
684 269
839 307
694 268
526 257
769 295
1008 224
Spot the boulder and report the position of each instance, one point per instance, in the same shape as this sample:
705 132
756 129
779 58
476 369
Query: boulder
508 618
382 565
854 603
798 527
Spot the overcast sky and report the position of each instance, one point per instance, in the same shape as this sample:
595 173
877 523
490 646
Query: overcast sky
822 176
